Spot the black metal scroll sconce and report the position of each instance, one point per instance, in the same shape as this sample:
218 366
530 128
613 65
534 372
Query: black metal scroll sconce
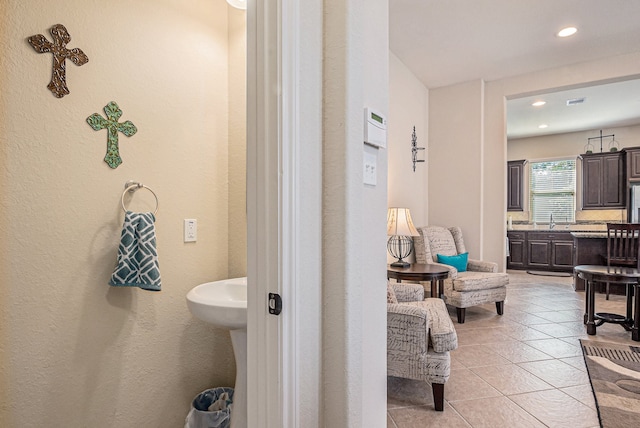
415 149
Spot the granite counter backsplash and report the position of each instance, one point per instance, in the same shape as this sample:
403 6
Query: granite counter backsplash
586 220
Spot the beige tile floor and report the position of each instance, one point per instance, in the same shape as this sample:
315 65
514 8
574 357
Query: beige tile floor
522 369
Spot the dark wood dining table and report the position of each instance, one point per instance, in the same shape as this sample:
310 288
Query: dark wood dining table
630 277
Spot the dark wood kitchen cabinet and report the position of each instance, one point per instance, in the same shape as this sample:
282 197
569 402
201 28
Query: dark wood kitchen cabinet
539 250
550 251
562 254
517 250
515 185
633 163
603 180
591 249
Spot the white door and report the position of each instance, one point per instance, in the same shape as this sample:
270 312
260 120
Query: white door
276 184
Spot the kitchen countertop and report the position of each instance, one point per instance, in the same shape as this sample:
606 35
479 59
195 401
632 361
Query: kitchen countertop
574 233
560 227
592 234
557 229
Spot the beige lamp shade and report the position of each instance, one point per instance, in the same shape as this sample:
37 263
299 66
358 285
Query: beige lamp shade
238 4
399 223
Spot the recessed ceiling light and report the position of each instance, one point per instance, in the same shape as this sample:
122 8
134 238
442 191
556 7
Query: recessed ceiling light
539 103
566 32
544 125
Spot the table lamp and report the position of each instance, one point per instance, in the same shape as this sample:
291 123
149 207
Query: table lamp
400 227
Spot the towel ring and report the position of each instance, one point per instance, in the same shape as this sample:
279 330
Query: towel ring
132 186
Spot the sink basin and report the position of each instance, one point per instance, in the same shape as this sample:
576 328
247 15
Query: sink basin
221 303
224 304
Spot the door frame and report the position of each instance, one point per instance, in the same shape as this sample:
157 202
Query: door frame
272 212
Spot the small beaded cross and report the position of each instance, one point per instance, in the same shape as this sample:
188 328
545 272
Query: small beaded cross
61 37
97 122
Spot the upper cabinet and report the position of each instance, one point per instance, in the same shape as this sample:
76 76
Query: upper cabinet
515 185
633 163
603 180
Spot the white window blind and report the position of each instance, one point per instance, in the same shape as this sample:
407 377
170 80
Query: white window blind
552 189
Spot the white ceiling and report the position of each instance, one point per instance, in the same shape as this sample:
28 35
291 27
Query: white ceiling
605 106
444 42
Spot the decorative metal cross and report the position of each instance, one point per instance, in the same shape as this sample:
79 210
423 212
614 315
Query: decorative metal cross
98 122
61 37
414 149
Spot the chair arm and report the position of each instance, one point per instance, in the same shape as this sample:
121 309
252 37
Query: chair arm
407 328
442 332
480 266
453 272
407 292
420 323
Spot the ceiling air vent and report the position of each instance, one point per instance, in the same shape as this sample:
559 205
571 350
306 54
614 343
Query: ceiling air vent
575 101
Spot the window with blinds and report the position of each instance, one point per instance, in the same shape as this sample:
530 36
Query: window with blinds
552 190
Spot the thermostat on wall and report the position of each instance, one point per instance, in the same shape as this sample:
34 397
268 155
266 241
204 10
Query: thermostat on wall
375 128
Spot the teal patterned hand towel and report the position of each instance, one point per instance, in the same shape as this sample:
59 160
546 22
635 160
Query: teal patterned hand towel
137 254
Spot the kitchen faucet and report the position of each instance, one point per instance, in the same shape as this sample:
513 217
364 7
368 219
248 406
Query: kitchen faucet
551 223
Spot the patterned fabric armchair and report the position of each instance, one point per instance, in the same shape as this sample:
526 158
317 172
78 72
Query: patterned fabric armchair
420 335
481 283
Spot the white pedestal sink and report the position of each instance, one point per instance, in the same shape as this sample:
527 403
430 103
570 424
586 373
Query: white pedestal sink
224 304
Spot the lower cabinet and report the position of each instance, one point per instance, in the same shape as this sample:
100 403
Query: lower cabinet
547 251
517 250
562 254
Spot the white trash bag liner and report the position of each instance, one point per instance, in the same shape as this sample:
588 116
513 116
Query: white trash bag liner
211 409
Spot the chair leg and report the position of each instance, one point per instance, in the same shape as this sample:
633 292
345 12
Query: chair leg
607 292
461 313
635 330
500 307
438 396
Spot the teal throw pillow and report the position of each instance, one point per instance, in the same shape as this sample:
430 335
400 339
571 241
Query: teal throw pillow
459 262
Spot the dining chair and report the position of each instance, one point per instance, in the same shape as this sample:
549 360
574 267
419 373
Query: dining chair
623 243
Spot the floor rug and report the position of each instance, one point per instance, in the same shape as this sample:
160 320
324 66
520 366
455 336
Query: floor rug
614 371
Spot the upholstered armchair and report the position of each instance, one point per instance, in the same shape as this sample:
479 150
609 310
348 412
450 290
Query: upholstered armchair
420 335
480 283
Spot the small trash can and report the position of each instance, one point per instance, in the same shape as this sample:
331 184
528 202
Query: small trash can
211 409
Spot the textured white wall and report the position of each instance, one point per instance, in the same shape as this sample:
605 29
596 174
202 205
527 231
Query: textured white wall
408 107
84 353
375 83
354 215
455 161
570 143
310 309
237 142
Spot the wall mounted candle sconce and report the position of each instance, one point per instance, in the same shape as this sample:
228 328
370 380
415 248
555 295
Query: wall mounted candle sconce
415 149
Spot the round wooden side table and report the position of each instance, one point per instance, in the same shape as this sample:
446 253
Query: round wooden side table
421 272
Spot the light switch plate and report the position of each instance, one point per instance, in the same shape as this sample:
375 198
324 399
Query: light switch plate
370 165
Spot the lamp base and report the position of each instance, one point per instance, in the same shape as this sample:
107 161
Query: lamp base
400 263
